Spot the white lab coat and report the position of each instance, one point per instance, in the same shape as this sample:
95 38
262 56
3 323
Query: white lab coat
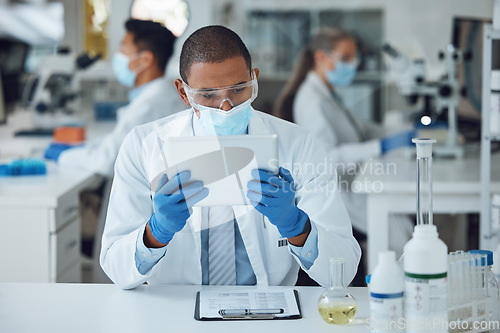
131 206
316 109
159 99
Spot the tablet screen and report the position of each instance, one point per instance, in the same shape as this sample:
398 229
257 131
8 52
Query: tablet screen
223 163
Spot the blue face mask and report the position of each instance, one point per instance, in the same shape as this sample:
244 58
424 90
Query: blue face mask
343 74
219 122
120 67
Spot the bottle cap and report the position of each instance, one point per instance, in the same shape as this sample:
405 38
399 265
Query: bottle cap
489 258
425 230
387 257
424 147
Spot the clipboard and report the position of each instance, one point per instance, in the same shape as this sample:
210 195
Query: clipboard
244 317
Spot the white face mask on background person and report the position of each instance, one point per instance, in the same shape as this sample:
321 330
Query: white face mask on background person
344 72
123 74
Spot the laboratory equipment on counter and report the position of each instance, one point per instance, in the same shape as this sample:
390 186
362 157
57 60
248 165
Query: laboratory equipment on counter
490 285
386 294
69 134
23 167
336 305
425 256
469 305
439 96
54 90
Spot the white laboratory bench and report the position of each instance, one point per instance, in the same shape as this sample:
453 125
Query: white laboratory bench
40 226
390 185
41 307
39 215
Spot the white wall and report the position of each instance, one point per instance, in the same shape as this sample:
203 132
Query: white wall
120 12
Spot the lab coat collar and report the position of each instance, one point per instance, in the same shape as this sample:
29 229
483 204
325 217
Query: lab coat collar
313 79
257 125
136 91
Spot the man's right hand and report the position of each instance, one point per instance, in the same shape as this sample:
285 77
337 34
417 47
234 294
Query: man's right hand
173 200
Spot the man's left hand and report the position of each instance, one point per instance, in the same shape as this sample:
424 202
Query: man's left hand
274 197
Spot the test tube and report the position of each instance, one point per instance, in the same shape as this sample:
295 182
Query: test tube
424 180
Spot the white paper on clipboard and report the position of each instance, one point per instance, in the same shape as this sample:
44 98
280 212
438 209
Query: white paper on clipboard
211 301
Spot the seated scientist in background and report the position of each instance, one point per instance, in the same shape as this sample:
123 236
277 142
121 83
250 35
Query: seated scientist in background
140 65
156 235
310 100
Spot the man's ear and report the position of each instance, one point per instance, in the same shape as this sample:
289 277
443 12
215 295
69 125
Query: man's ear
181 91
146 59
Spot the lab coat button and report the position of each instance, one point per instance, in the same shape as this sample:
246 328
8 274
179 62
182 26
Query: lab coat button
155 256
144 254
308 254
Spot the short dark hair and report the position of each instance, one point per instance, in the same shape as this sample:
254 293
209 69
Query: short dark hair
154 37
212 44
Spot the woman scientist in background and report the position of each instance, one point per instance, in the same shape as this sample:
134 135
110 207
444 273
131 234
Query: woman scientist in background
309 99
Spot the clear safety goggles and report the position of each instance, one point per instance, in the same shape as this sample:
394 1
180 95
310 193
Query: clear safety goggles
215 97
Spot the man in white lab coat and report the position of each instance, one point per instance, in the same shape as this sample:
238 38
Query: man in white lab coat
297 218
140 64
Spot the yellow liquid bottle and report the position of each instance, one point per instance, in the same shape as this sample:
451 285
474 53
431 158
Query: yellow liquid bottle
336 304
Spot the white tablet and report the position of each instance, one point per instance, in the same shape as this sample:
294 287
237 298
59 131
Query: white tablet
223 163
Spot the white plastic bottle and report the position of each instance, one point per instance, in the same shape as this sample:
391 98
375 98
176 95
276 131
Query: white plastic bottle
425 257
386 295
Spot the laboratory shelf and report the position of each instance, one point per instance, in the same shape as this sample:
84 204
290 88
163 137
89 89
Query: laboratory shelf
488 237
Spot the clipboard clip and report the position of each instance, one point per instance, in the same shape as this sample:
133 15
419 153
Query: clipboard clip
250 313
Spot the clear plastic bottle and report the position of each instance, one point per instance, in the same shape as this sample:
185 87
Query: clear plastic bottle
490 284
336 305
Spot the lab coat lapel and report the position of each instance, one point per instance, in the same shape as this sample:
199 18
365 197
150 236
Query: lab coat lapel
257 125
182 125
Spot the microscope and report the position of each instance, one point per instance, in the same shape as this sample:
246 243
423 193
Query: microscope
54 90
438 96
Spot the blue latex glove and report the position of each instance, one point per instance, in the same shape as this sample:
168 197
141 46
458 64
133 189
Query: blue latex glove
173 200
274 197
55 149
399 140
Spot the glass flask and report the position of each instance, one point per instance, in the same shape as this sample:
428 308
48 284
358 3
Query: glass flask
336 304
